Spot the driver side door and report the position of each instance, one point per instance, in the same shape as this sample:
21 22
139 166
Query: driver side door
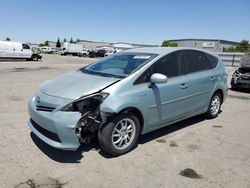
26 51
166 101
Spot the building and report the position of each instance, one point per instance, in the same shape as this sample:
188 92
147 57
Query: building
52 44
215 45
124 45
88 44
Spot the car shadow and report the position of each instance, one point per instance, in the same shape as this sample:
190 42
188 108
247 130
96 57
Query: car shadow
76 156
63 156
10 60
241 90
170 129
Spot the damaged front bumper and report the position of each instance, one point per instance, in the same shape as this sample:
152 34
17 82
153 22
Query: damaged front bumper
245 84
240 81
56 128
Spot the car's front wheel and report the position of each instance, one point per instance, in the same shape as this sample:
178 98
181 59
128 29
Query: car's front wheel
35 57
119 134
214 106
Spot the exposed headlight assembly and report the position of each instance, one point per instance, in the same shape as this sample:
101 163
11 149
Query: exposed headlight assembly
87 103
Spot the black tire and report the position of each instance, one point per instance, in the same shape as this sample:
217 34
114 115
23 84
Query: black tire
105 134
233 86
34 57
210 114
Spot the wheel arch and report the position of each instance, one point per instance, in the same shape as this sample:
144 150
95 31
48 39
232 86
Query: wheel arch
137 112
220 91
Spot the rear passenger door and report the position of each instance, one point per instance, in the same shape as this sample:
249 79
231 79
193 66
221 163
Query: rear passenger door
201 80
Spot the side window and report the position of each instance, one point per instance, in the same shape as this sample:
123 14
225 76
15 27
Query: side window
170 65
195 61
212 60
25 46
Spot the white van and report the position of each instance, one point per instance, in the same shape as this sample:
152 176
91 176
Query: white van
17 50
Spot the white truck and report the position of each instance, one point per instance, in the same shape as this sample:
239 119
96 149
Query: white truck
17 50
71 48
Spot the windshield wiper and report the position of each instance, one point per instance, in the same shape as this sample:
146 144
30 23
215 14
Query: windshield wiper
101 73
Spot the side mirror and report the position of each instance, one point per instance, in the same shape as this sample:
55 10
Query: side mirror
158 78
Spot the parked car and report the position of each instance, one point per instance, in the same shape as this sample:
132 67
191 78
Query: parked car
92 53
18 50
241 77
84 53
46 50
122 96
112 52
101 52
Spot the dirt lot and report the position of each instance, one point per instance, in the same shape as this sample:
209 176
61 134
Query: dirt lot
193 153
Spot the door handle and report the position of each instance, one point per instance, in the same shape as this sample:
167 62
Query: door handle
183 86
212 78
142 94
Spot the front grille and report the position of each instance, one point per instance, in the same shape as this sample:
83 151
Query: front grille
48 134
243 85
44 108
245 78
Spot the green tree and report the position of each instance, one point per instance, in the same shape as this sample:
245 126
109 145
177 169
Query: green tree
243 46
78 40
64 40
46 43
7 39
167 43
58 43
71 40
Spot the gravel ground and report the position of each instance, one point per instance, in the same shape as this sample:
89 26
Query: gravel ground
193 153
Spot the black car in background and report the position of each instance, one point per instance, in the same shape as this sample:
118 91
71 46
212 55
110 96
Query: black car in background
241 77
98 53
92 53
101 53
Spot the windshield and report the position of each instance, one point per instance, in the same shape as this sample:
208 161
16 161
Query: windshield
119 65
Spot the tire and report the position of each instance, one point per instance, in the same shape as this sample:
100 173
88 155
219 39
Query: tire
214 106
109 137
35 57
233 86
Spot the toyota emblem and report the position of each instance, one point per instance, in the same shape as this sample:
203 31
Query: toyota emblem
38 99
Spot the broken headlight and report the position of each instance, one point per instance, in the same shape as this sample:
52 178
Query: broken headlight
85 104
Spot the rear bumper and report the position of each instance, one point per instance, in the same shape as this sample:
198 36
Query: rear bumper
55 128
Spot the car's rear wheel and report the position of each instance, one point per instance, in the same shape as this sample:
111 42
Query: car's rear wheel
119 134
214 106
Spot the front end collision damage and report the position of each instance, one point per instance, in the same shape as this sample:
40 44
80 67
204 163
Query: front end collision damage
241 78
91 115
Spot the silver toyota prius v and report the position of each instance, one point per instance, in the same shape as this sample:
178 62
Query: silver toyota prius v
125 95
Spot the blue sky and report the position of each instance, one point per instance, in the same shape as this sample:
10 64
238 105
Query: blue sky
139 21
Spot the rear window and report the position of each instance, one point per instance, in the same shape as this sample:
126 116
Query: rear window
195 61
212 60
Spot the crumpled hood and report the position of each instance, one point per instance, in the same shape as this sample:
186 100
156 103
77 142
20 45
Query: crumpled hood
75 84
